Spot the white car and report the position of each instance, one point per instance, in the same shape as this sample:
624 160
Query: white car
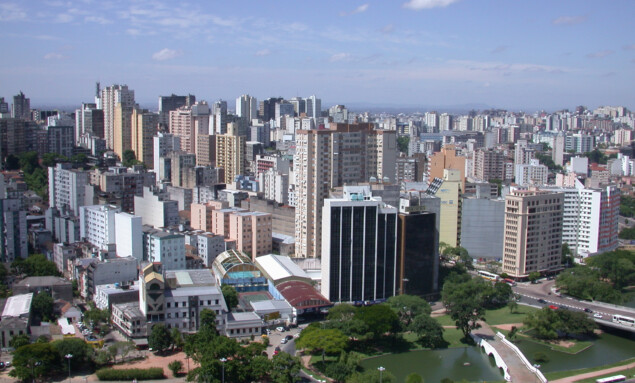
281 329
597 315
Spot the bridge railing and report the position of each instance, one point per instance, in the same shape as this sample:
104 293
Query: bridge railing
490 350
522 357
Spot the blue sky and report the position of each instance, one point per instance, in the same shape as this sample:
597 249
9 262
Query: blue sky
512 54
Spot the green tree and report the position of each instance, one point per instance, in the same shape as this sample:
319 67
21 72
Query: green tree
120 348
341 312
617 266
36 265
42 306
159 338
380 319
231 296
326 341
552 324
260 367
177 338
36 361
596 156
533 276
338 371
402 143
513 306
175 366
464 303
208 319
285 368
497 295
82 352
129 158
429 330
79 159
96 316
372 376
408 307
414 378
19 340
50 159
567 256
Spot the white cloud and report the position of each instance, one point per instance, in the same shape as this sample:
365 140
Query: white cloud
340 57
362 8
418 5
166 54
263 52
569 20
53 56
11 12
63 18
97 20
599 54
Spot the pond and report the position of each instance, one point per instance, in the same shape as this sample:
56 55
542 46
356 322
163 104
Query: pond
610 347
434 365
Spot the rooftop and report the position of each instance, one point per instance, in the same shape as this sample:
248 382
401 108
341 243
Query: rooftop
190 278
18 305
279 267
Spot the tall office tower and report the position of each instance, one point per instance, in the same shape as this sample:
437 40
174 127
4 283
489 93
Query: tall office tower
359 247
4 109
219 111
182 126
122 125
445 122
13 229
79 121
299 105
67 188
13 136
110 97
557 152
21 107
533 232
417 249
230 153
431 121
145 125
283 108
489 164
170 103
247 108
268 108
342 154
164 143
313 107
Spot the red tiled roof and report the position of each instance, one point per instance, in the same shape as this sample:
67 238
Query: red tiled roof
302 295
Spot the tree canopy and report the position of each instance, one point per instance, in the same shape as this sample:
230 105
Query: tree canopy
316 340
553 324
231 296
35 361
159 339
408 307
464 301
380 319
42 306
35 265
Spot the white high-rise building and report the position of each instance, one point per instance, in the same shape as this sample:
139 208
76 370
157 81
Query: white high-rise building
167 248
128 236
97 225
67 188
156 210
110 97
532 174
247 107
313 106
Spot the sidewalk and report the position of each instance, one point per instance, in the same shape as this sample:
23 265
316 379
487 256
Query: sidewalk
593 374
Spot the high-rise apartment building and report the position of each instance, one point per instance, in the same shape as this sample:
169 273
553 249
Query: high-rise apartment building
97 225
533 232
313 106
219 113
164 143
110 97
489 164
447 158
359 247
172 102
67 188
532 174
21 107
182 126
230 153
144 126
252 232
13 229
449 190
267 108
122 133
342 154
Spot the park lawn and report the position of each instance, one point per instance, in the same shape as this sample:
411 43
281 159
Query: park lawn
576 347
445 320
563 374
451 335
503 316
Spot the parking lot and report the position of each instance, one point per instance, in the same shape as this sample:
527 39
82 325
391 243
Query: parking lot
276 336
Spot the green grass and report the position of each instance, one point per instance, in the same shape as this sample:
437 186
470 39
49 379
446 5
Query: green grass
445 320
503 316
563 374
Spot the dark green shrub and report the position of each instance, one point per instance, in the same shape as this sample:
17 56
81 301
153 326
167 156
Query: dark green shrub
130 374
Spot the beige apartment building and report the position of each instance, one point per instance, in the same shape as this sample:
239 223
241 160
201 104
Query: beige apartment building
122 134
144 126
230 153
446 159
533 232
252 232
342 154
201 214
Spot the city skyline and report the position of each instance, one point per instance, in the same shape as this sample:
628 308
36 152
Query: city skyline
419 53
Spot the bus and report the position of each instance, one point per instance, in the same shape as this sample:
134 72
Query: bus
626 321
611 379
510 282
487 275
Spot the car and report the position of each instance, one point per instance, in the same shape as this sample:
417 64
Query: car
296 335
587 310
281 329
276 352
597 315
7 364
554 307
288 337
284 341
542 300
